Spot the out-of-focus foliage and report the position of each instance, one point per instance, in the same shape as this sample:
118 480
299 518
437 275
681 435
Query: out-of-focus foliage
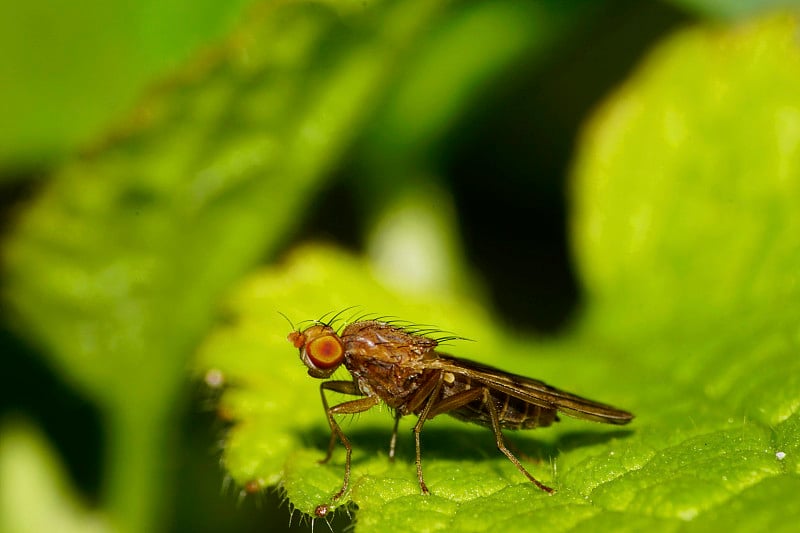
733 9
115 268
713 181
31 473
68 69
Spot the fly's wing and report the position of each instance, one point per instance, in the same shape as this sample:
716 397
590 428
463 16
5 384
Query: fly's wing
530 390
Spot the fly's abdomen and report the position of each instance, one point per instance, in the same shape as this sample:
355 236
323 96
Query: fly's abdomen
512 412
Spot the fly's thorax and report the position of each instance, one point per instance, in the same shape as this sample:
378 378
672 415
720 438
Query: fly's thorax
392 383
384 343
385 361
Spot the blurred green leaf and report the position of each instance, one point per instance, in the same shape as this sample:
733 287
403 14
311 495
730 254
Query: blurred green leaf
686 229
455 65
686 225
735 9
687 194
69 68
35 494
116 267
453 71
414 243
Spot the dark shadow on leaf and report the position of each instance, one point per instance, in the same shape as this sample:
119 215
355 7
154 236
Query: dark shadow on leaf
469 443
581 439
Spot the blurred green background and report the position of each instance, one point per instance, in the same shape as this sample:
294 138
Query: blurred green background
153 153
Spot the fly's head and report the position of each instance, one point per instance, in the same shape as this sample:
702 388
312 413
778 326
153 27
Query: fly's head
321 349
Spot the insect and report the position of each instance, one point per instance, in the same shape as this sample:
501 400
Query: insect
399 365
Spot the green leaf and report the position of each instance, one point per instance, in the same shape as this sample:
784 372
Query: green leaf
35 494
686 229
281 431
456 63
686 225
69 69
686 194
735 9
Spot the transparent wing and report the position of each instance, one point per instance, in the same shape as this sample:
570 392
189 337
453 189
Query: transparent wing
531 390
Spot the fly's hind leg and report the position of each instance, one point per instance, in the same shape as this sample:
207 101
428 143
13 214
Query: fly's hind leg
435 406
424 415
498 435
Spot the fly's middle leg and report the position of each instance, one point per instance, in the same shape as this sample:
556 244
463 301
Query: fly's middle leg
393 441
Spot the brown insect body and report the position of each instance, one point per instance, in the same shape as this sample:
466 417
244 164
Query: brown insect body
393 364
402 368
387 361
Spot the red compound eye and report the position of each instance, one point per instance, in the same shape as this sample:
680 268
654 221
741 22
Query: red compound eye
325 351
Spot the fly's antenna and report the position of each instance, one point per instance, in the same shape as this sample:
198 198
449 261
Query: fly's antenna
287 320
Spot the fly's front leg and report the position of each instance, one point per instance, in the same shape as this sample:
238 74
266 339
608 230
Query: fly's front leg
351 407
344 387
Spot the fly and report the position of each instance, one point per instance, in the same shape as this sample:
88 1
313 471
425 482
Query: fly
400 366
